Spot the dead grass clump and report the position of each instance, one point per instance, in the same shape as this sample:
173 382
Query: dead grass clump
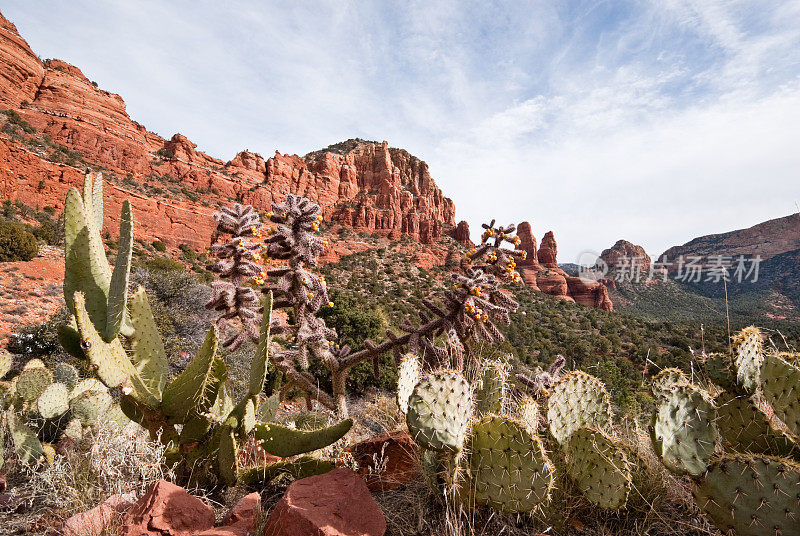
111 461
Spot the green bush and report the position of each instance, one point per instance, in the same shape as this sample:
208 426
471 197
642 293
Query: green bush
16 244
159 246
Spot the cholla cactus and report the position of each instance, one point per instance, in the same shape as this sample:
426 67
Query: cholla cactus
471 309
237 266
542 380
491 258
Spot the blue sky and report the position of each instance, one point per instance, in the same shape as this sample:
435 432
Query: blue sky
650 121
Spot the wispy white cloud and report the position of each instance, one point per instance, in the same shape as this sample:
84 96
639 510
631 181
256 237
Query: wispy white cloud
650 121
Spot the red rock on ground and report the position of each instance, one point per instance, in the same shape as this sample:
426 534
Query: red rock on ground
337 503
387 461
247 512
242 520
167 510
93 522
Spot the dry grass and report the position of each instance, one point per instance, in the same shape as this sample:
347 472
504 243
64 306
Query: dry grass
114 461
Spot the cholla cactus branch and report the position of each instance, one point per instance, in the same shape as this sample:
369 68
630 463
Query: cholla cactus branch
237 266
543 380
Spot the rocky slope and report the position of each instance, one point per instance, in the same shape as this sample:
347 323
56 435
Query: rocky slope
767 239
360 184
774 294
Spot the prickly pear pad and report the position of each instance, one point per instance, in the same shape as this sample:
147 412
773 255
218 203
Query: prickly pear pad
780 383
32 382
577 400
408 375
753 495
508 467
598 467
667 379
439 410
683 430
54 401
745 428
748 359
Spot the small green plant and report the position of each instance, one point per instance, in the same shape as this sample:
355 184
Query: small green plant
159 246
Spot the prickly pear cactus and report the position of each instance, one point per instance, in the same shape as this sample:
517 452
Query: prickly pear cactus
667 379
491 389
720 371
508 467
683 430
748 358
599 468
26 445
577 400
528 412
439 411
89 406
408 375
6 361
745 428
32 382
284 442
752 495
66 374
779 383
54 401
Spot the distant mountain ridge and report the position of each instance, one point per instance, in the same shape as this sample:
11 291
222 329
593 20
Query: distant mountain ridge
767 239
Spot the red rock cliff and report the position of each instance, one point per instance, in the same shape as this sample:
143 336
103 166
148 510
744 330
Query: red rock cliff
365 185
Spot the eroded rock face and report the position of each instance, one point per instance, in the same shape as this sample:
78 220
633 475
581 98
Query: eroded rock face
540 271
364 185
461 234
21 72
548 251
337 503
623 254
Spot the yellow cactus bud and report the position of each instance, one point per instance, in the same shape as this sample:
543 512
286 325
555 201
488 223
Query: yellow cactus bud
330 304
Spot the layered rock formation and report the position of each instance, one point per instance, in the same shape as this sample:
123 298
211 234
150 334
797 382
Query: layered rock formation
626 256
364 185
540 271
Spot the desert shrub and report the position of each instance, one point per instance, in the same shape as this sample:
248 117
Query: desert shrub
12 117
39 340
177 298
16 244
159 246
